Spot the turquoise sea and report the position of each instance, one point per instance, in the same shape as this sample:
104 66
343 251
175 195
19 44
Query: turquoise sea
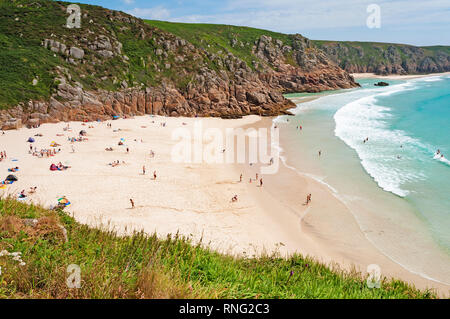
396 186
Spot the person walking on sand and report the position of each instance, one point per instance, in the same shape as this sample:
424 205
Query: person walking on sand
260 183
308 199
132 203
256 177
143 170
128 150
240 178
320 153
154 175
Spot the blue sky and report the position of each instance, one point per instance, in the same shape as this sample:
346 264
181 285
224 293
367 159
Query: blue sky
418 22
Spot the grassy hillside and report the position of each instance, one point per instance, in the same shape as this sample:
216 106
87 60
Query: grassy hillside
219 38
121 51
24 25
51 72
141 266
386 58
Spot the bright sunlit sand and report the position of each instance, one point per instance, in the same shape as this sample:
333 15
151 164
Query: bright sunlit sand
192 199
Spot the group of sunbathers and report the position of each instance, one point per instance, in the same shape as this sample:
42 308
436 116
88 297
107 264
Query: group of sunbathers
44 152
58 167
116 163
31 191
74 139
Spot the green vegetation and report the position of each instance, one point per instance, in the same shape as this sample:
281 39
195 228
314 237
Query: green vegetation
141 266
24 24
219 39
373 55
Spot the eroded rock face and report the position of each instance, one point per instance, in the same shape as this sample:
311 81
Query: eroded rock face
218 84
393 59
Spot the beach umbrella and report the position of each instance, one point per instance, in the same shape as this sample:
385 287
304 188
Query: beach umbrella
64 201
30 140
12 178
82 132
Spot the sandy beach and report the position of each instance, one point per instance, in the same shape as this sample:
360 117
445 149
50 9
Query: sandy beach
395 76
194 199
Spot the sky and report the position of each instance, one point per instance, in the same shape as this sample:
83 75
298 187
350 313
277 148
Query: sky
417 22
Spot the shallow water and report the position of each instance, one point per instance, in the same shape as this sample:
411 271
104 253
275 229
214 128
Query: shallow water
396 190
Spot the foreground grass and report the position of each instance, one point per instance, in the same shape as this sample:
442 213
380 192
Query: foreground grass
141 266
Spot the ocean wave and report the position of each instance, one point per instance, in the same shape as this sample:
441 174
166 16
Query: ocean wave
441 159
433 79
364 118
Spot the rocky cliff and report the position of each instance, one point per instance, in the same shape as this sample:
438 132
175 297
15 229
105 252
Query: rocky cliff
116 64
385 58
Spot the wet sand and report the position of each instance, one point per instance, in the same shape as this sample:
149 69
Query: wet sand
193 199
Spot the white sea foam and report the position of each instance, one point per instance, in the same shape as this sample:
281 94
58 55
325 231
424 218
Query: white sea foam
441 159
356 119
364 118
433 79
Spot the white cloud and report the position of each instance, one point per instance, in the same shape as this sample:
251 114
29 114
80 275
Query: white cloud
128 1
297 15
155 13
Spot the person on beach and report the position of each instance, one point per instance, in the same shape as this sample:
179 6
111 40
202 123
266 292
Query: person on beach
154 175
132 203
143 170
128 150
240 178
320 153
308 199
260 182
73 149
256 177
234 198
